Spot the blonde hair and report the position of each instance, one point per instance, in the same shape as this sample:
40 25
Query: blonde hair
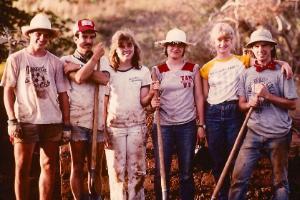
119 37
222 29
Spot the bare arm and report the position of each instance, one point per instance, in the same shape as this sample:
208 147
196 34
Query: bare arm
262 91
82 74
106 136
146 96
199 99
205 88
9 99
285 68
105 105
97 77
243 104
64 105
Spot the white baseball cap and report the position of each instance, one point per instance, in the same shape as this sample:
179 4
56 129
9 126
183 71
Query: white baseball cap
175 35
261 35
39 21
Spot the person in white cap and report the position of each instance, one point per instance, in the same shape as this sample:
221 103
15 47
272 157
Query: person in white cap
36 102
181 102
265 88
81 69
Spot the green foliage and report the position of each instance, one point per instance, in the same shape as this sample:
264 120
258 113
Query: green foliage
11 18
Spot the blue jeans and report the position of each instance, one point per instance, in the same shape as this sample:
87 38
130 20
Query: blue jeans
223 122
277 150
181 138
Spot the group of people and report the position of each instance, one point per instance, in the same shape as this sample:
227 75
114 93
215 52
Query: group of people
50 99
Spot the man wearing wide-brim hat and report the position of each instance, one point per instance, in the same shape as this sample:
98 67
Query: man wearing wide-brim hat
36 102
267 90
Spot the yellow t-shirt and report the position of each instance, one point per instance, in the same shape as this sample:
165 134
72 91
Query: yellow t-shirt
223 76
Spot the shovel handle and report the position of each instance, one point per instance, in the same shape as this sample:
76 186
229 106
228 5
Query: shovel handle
160 146
94 135
232 155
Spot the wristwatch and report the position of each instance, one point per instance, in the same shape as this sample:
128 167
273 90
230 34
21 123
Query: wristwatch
202 126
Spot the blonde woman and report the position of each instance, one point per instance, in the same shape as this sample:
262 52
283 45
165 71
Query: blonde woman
128 92
220 85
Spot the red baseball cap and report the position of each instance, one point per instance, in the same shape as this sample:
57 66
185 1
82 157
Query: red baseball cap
84 25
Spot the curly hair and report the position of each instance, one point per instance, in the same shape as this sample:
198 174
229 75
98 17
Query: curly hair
117 39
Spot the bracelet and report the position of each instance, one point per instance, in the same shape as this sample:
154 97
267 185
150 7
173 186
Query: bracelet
201 126
12 121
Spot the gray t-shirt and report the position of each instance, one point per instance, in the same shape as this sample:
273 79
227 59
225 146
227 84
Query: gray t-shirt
177 103
268 120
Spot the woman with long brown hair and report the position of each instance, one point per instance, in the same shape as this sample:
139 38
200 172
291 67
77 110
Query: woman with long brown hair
128 92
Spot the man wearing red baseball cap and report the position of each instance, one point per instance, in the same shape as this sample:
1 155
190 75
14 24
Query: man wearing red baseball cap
81 69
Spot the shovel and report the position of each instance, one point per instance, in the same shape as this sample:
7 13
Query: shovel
161 158
232 155
160 149
92 193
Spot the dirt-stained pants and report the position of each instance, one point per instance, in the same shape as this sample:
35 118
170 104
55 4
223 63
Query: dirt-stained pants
127 153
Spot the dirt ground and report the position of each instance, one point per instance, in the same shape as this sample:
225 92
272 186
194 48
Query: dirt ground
259 189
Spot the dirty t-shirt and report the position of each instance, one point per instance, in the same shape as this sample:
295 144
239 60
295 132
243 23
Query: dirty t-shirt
268 120
177 102
37 82
124 107
82 98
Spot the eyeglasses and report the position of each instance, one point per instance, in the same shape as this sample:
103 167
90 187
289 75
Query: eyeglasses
178 44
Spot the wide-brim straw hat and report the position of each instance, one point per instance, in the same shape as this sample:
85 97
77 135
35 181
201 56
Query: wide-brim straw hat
261 35
39 22
175 35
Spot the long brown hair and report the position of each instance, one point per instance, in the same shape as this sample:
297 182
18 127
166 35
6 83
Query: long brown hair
119 37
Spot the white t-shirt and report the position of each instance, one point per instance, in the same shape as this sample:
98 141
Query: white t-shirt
124 90
223 76
37 82
82 98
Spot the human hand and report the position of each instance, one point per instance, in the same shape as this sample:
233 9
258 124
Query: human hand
286 69
13 129
98 51
154 87
155 102
253 101
261 91
107 141
67 134
201 136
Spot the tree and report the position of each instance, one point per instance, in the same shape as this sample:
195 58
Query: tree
11 39
11 18
281 17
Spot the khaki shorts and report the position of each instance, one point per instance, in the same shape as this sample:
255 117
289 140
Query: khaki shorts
39 133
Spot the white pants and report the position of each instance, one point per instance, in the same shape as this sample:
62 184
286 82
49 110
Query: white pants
127 153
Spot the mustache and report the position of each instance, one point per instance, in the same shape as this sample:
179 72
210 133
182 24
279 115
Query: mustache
88 45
